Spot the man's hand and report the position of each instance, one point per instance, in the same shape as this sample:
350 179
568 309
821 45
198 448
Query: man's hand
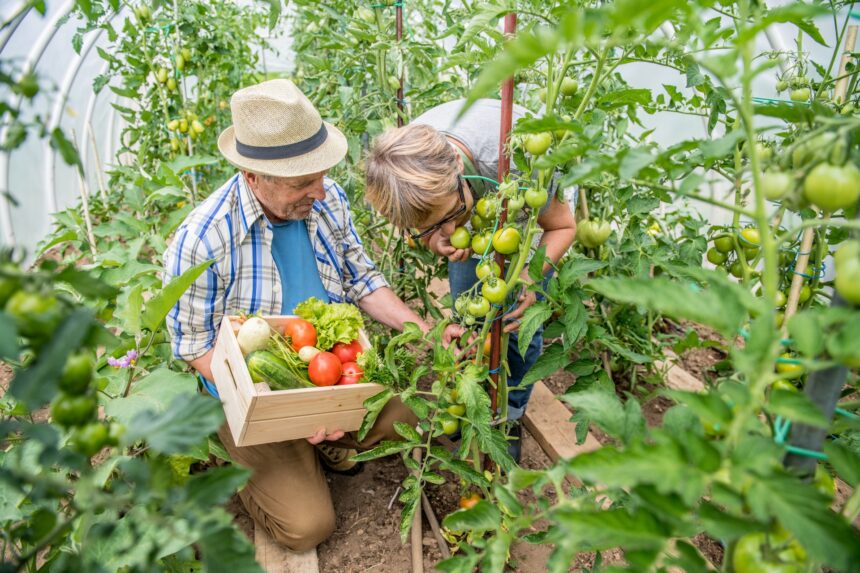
527 298
452 333
441 245
321 436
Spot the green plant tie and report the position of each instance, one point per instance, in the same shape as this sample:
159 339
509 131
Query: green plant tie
781 427
772 100
153 29
745 334
398 4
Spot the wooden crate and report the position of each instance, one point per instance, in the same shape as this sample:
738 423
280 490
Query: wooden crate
259 415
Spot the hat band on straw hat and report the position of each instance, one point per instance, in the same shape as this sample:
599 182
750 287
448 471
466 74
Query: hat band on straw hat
283 151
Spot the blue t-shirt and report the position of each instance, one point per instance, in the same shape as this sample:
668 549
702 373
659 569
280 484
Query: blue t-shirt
300 278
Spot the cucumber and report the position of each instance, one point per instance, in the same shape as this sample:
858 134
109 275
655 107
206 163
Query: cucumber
264 366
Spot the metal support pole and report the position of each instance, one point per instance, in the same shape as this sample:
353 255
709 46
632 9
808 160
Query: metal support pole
504 169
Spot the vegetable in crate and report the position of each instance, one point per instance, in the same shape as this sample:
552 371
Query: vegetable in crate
334 322
253 335
265 366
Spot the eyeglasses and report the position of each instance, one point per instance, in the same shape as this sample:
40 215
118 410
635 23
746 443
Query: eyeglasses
449 218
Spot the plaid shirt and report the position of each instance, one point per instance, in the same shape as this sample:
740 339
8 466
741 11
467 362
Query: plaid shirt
230 227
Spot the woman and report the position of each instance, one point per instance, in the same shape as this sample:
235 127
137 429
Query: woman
415 178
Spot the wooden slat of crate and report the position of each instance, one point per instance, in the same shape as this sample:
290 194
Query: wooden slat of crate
305 401
267 431
549 422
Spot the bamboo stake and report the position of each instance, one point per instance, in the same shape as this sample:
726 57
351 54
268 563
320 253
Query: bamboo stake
85 204
434 526
417 534
99 171
809 234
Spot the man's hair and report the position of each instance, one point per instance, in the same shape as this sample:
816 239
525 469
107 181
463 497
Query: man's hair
410 172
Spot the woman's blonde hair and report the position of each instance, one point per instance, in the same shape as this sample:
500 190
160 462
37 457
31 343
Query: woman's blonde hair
410 171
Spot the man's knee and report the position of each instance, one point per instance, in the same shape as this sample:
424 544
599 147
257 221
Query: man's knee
304 534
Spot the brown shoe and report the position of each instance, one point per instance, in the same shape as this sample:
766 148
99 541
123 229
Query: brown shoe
338 460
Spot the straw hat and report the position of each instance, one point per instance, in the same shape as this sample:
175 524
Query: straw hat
277 131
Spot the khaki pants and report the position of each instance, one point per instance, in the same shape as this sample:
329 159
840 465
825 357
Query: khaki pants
287 493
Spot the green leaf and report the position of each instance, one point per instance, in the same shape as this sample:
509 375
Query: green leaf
714 307
483 516
575 322
374 406
554 358
129 305
8 337
601 530
215 485
183 163
155 392
407 432
86 284
36 384
805 513
533 319
385 448
228 550
577 267
795 407
536 264
845 461
634 161
631 96
66 148
188 419
159 305
806 333
798 13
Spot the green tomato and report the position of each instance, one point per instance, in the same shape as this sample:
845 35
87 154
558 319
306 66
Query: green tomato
486 268
831 187
394 82
569 86
366 14
536 198
847 281
495 290
781 299
478 222
775 184
715 257
737 270
509 188
537 143
450 426
787 367
36 316
847 251
781 85
506 240
824 482
479 306
751 237
71 411
515 203
90 439
764 152
749 557
542 95
77 373
487 207
161 75
724 244
456 409
783 385
750 253
9 284
460 238
805 293
461 305
800 94
481 242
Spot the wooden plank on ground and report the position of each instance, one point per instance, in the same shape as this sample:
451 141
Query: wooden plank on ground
676 377
275 558
548 420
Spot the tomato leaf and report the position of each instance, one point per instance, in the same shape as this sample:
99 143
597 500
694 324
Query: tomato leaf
845 461
385 448
216 485
483 516
532 321
795 407
374 406
228 549
554 358
8 337
187 420
159 305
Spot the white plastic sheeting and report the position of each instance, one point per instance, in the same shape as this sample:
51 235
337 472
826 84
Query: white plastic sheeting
40 182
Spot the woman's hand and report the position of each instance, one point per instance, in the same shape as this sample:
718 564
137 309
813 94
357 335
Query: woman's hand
440 244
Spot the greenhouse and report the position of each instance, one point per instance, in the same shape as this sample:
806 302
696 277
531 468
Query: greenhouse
395 286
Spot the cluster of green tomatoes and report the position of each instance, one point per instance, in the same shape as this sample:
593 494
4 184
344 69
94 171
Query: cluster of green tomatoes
37 311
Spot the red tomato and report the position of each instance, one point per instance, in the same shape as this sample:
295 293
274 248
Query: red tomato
352 374
301 333
347 352
324 369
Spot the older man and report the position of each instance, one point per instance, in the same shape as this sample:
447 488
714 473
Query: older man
279 232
